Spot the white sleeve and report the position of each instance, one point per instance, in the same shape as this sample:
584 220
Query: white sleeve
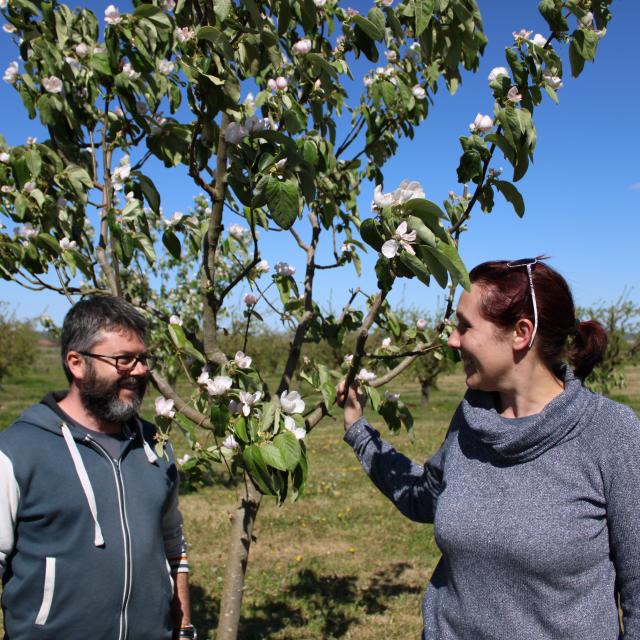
9 499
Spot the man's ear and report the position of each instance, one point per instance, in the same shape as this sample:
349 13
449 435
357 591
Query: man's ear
522 333
77 365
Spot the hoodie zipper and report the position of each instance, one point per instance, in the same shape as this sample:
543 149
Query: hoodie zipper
126 537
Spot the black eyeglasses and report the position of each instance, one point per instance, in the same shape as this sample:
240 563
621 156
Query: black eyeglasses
125 363
528 263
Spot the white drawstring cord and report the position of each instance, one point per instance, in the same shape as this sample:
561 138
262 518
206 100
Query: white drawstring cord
98 540
151 456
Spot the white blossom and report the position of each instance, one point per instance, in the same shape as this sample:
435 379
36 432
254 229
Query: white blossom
183 460
291 402
29 186
271 84
183 34
346 247
243 361
263 266
235 132
496 72
52 84
99 48
523 34
391 397
302 47
284 269
421 324
73 63
177 320
249 299
368 81
386 343
219 385
11 73
112 15
121 173
290 425
513 95
553 81
165 67
539 39
319 3
348 359
4 157
351 12
281 83
9 28
68 245
26 231
230 443
203 378
31 140
401 239
7 188
237 231
164 407
587 20
82 50
382 200
391 56
386 3
247 400
481 123
366 376
175 219
419 92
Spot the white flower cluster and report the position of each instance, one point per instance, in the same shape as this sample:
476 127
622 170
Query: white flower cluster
408 190
244 403
243 361
250 300
11 73
284 269
121 173
184 34
292 403
175 219
129 71
366 376
237 231
112 15
401 239
165 67
164 408
52 84
278 84
68 245
302 47
4 157
236 132
481 123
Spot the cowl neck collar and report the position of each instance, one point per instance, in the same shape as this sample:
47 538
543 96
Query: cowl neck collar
523 439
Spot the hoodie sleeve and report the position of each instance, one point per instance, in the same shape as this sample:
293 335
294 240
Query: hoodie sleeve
9 500
412 488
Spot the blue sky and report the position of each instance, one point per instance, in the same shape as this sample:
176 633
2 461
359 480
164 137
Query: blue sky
582 194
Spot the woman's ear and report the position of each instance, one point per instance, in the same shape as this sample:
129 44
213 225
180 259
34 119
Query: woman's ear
522 334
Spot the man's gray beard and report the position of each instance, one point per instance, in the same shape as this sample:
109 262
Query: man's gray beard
100 397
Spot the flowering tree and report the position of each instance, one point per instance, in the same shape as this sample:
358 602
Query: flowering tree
290 160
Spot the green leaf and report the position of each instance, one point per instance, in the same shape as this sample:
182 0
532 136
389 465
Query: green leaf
551 11
423 10
512 195
435 268
257 469
222 9
585 43
150 192
368 27
34 162
178 337
448 256
218 39
289 447
283 201
424 234
415 265
371 234
272 456
171 242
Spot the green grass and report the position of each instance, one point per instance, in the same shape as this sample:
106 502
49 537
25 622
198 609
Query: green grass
339 563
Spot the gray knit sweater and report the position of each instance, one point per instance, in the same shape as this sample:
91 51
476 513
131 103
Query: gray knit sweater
537 518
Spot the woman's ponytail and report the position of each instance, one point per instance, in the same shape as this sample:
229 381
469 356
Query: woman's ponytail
590 345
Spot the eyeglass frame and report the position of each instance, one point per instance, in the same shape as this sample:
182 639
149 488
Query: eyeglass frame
146 360
528 263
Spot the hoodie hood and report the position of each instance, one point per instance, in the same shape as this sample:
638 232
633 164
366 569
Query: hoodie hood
523 439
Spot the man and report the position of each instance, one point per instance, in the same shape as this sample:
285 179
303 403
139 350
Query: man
91 542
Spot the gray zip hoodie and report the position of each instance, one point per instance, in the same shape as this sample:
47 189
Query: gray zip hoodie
84 539
537 518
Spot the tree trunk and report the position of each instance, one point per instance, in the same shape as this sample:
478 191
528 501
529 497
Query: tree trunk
242 522
425 389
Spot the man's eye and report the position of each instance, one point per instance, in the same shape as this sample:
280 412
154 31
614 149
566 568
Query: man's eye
125 361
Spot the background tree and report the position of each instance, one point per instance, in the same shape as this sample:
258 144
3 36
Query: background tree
167 80
18 343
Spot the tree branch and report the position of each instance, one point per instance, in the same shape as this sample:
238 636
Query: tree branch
185 409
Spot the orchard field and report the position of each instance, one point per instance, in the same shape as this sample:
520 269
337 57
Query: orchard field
341 562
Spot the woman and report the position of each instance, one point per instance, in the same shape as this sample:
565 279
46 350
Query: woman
535 492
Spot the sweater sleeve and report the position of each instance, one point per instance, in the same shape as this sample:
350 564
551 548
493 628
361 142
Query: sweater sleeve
621 475
9 499
412 488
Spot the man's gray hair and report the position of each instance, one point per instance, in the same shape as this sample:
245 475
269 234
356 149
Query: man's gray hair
86 320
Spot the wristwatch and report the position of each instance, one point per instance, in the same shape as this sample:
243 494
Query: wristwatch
188 631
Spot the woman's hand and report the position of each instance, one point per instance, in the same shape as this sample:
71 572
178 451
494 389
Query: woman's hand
353 402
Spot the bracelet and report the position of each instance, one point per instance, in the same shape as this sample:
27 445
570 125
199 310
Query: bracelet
188 631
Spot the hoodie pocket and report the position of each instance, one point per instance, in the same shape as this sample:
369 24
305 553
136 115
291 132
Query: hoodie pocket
47 592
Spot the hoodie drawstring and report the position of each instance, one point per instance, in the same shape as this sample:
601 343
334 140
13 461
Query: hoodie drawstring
98 540
151 456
